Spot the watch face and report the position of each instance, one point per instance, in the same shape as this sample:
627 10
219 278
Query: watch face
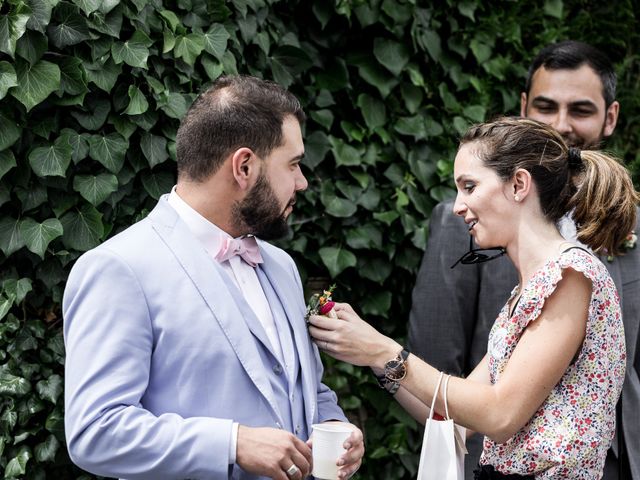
395 370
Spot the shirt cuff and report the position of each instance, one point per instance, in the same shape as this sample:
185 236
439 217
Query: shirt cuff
234 443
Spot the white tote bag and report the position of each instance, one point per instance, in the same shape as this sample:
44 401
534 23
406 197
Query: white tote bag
443 448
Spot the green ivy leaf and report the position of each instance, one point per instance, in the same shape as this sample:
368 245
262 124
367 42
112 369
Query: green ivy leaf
157 184
229 63
17 289
55 423
46 451
475 113
95 189
339 207
334 76
189 47
82 227
97 110
323 12
414 126
77 142
365 236
480 50
52 160
378 304
392 55
214 69
430 41
263 41
324 117
154 148
7 162
316 147
71 27
138 103
281 75
8 78
50 389
215 40
37 236
373 111
9 132
103 74
13 386
31 46
109 150
88 6
370 199
35 82
72 76
377 77
171 19
386 217
5 306
13 26
294 60
248 27
553 8
336 259
17 466
133 52
108 23
375 269
344 153
168 41
40 14
175 105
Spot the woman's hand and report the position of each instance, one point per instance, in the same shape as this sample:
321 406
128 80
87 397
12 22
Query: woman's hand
351 339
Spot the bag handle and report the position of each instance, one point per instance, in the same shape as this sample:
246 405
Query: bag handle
435 396
446 404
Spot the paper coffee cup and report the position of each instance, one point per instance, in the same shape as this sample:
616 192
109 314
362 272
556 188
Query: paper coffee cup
328 441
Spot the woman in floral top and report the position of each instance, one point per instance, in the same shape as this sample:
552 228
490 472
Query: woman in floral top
544 396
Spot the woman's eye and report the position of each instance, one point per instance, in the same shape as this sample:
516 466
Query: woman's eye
469 187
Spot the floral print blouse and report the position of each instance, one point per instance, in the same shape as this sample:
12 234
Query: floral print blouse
570 433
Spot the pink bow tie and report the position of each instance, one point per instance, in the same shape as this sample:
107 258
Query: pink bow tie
246 247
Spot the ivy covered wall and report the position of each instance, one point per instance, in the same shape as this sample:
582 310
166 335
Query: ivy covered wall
91 93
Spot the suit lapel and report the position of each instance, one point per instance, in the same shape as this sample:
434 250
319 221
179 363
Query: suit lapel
281 281
213 285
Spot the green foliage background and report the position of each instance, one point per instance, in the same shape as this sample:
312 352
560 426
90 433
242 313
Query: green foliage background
91 92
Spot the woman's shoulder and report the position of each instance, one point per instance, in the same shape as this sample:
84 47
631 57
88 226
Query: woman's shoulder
583 261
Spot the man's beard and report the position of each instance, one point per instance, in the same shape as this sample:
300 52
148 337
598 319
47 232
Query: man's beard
583 144
260 214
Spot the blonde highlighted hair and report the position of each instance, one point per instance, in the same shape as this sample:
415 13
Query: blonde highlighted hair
594 185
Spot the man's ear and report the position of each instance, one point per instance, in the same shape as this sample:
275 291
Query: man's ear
611 119
523 104
245 167
521 184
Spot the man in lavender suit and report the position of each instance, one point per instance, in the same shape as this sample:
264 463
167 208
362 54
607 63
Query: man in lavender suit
187 350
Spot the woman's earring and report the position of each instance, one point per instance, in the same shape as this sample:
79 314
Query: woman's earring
516 198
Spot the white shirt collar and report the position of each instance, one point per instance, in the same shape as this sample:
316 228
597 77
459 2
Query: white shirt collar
207 233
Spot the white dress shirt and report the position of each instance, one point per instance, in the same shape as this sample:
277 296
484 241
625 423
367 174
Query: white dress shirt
243 276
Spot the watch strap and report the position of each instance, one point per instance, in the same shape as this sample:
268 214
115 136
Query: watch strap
395 370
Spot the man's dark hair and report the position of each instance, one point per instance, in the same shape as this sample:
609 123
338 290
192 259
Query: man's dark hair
235 112
570 55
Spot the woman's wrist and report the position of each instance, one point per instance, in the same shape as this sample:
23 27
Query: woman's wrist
390 351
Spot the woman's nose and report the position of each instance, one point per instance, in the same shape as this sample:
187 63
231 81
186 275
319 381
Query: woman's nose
459 207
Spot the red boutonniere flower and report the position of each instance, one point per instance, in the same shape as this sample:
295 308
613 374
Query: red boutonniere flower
322 304
629 243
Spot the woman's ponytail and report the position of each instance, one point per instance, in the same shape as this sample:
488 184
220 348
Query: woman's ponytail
604 203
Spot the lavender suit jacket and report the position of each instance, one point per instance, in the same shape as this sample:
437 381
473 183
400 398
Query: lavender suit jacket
164 354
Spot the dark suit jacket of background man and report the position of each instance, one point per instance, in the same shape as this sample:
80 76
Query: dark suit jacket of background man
454 309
